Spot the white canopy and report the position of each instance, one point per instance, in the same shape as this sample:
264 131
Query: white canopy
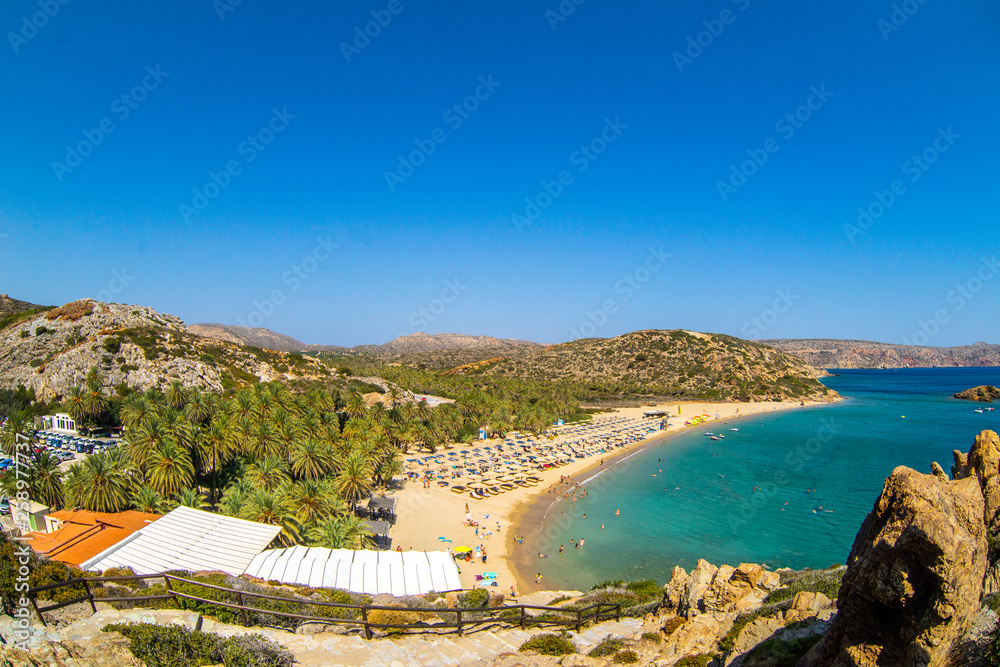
362 571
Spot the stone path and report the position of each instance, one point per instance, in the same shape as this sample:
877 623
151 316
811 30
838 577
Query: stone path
322 649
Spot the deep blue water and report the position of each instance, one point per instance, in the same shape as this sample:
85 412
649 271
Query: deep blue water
787 490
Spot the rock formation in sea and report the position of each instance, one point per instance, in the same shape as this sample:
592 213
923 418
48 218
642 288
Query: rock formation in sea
984 394
916 574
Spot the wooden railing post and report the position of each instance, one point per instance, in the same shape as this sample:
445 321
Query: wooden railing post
579 620
618 612
90 596
364 617
34 603
458 620
523 614
173 596
243 612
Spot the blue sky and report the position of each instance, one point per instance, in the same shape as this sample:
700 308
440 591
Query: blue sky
609 167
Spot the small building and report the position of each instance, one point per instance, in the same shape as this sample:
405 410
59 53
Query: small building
73 536
31 513
60 423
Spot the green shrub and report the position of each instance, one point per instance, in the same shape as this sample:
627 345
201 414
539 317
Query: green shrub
701 660
652 637
826 582
35 363
176 646
646 589
992 602
400 616
776 653
41 331
626 658
254 651
610 583
112 344
477 598
991 654
608 646
671 626
549 645
561 598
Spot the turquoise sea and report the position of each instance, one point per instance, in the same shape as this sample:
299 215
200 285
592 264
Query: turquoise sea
788 490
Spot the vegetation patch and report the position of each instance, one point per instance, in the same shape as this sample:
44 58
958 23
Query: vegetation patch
826 582
701 660
549 644
176 646
674 624
627 657
777 653
608 646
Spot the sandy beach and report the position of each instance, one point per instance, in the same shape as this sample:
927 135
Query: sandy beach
426 515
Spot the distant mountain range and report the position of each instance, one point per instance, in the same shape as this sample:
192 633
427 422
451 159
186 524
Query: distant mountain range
822 353
416 343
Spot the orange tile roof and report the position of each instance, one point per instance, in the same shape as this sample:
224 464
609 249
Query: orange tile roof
85 534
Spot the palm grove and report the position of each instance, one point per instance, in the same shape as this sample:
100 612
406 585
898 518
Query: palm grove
301 461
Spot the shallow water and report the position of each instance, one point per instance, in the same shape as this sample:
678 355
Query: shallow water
787 490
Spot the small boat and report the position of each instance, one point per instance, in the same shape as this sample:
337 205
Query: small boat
980 411
989 409
734 429
710 434
721 437
715 437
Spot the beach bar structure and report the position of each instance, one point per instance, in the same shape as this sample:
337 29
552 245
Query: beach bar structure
188 539
380 529
382 509
362 571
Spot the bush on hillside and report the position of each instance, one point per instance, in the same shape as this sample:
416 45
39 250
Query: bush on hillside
549 645
608 646
626 658
176 646
777 653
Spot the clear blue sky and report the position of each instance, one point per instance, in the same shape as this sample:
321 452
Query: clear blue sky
311 127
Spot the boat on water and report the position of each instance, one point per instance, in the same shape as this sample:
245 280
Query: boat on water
710 434
715 437
734 429
980 410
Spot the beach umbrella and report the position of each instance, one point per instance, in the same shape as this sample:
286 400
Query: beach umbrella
462 550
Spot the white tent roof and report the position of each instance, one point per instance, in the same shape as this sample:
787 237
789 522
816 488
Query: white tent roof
371 572
188 539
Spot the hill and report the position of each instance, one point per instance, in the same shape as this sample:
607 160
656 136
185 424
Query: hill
52 350
677 363
821 353
254 336
421 342
13 310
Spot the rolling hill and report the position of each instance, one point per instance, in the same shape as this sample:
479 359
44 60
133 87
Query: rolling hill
676 363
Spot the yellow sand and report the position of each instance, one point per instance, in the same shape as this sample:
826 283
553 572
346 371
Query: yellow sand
424 515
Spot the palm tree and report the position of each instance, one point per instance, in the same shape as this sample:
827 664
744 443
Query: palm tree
135 409
99 484
264 441
146 499
313 500
45 480
176 395
95 403
170 468
311 459
214 447
355 406
199 407
274 510
355 479
234 498
344 532
268 474
387 467
191 498
75 404
17 423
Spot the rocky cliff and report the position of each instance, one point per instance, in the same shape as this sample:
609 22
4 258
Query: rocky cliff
868 354
51 351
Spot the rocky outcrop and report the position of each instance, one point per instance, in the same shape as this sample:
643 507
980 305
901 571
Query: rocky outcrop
52 351
724 589
915 574
984 394
868 354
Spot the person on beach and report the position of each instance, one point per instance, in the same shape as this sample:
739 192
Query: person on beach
581 541
560 548
538 578
513 593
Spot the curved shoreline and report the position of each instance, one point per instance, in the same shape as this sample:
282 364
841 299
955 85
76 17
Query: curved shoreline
533 510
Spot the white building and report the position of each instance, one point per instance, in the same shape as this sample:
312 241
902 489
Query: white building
60 423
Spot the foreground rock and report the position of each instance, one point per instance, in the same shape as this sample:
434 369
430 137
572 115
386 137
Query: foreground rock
915 574
984 394
722 589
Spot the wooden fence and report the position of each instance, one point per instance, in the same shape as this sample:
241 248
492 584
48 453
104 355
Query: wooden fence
512 614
